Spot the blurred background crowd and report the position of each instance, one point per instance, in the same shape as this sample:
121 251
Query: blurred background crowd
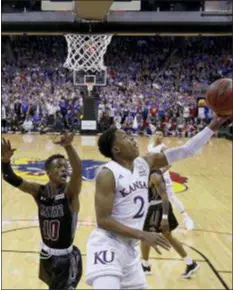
10 6
153 82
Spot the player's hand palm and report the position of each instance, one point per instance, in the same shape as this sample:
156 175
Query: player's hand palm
154 240
217 121
65 140
7 151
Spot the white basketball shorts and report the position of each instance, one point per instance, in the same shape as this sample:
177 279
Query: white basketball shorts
108 255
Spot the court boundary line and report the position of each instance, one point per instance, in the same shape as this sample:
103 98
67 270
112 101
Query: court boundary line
221 280
210 265
204 260
92 223
84 255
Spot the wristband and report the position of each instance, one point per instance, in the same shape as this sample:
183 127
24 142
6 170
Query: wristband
9 176
164 216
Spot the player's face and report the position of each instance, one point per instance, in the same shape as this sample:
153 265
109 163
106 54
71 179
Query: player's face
125 145
158 137
59 171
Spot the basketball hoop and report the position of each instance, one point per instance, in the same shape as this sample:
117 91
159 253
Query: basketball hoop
86 53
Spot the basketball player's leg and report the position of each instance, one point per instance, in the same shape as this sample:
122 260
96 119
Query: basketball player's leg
133 275
145 251
104 259
145 248
176 244
107 282
179 205
191 265
45 267
66 271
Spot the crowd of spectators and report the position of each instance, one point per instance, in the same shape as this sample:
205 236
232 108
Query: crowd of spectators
149 5
153 82
13 6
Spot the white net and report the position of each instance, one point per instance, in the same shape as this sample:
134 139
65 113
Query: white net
86 52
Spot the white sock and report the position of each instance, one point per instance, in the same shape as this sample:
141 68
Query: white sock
146 263
174 200
185 214
190 148
188 260
107 282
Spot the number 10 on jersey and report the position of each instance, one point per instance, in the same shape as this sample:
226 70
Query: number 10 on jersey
51 229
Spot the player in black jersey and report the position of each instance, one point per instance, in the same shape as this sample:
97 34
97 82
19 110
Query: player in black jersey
160 218
58 207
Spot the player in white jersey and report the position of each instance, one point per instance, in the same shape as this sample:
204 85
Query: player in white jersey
156 145
121 202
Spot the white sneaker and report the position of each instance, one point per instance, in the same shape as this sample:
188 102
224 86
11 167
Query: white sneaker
189 223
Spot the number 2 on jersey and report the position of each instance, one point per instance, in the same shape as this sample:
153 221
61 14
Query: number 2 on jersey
139 200
51 229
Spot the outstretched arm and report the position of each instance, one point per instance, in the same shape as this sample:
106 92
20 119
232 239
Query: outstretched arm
74 187
8 174
75 184
189 149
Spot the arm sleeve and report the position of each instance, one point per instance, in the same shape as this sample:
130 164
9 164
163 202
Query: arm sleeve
189 149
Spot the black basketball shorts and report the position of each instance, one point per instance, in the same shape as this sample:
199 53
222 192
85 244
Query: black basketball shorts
61 272
154 218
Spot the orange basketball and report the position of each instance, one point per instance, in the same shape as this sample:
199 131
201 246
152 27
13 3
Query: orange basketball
219 97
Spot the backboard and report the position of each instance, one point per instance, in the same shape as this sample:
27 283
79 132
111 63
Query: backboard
90 78
68 5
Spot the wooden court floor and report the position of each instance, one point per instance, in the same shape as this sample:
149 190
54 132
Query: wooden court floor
203 183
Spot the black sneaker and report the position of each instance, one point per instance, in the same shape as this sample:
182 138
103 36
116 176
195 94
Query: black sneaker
146 270
190 269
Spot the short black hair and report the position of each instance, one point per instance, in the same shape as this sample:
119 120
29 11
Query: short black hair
105 142
50 159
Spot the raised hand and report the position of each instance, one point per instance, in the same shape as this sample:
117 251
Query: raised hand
65 140
7 150
217 121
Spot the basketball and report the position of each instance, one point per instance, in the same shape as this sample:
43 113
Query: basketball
219 97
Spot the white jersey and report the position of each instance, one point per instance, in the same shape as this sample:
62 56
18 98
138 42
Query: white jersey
131 199
157 149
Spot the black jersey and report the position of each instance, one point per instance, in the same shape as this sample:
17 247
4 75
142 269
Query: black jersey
153 194
57 222
155 211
